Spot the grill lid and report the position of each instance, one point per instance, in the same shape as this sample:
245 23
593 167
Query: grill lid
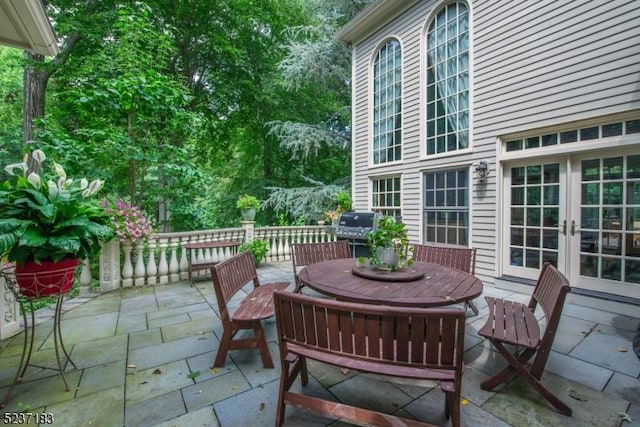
356 224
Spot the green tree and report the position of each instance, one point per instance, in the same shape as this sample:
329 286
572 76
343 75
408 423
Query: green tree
316 63
121 108
11 67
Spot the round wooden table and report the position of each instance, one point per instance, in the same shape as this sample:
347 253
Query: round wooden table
435 286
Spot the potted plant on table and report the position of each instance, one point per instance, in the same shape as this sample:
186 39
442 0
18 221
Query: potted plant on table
258 249
48 222
389 245
248 206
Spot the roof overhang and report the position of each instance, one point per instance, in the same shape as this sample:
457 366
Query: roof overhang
372 18
25 25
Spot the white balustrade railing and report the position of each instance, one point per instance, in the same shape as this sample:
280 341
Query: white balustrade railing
162 258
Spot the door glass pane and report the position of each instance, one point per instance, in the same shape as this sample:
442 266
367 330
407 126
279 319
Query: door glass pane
552 173
632 271
535 204
633 167
590 218
534 175
612 168
591 170
517 216
533 258
610 227
550 217
589 266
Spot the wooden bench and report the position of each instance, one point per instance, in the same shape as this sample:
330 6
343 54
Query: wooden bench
229 278
421 344
207 246
514 323
303 254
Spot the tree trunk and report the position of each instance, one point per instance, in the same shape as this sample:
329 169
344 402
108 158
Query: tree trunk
35 86
35 80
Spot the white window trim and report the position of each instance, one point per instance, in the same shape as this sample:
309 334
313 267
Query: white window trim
385 176
423 84
449 166
370 95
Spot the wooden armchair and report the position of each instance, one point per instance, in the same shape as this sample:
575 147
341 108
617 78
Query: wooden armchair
514 323
463 259
394 341
229 277
308 253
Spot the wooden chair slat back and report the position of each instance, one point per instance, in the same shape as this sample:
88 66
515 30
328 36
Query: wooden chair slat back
231 275
309 253
432 338
550 294
463 259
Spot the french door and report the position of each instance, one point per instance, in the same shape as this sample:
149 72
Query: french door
582 214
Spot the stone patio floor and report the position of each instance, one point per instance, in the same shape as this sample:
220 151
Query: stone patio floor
144 354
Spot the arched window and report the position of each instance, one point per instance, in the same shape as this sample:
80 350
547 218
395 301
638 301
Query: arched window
448 80
387 93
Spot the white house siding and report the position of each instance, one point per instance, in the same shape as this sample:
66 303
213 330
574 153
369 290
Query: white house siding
534 64
548 63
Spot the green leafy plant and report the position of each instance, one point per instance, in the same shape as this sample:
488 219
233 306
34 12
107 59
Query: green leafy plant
389 234
343 200
258 248
48 216
247 201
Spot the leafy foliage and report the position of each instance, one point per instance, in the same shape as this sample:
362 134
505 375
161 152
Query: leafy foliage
183 106
49 217
389 234
258 248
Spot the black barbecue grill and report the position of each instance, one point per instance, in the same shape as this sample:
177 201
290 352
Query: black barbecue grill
354 227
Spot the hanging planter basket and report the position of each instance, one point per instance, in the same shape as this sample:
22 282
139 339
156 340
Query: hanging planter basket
47 278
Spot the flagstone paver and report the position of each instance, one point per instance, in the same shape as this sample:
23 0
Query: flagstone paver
144 357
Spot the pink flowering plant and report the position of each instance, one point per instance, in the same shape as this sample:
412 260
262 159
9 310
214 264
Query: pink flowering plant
129 222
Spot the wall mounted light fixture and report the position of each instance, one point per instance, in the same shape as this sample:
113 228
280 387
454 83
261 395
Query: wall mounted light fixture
482 170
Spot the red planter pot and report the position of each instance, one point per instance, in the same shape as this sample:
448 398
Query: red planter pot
46 278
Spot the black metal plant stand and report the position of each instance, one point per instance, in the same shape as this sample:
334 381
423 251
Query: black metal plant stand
29 334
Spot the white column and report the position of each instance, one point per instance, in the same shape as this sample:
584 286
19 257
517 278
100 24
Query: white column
9 314
110 266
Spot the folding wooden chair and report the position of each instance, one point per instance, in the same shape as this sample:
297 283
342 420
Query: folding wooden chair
463 259
514 323
229 277
308 253
394 341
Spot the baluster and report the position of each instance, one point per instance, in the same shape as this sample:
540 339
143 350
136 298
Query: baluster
212 255
139 271
85 274
174 265
163 267
273 246
286 249
127 268
184 263
152 269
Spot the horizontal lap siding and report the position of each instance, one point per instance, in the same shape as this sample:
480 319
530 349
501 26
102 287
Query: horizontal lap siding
408 31
547 63
534 64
